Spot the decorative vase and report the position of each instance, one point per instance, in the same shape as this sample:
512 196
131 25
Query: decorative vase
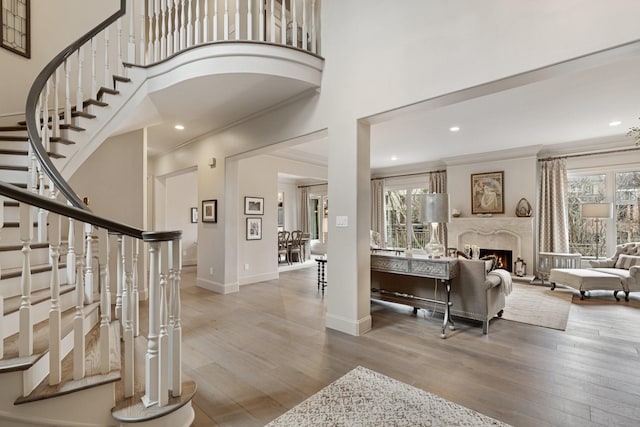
523 208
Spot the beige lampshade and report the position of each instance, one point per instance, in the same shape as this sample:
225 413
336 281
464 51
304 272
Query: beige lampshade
435 207
597 210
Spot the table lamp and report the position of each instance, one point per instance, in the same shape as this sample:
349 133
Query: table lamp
597 211
435 210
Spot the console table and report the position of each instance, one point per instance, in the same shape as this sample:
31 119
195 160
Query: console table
440 269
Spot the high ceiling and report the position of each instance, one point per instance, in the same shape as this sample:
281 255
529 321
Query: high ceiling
571 103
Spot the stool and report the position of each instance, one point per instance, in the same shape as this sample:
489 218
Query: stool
585 280
322 262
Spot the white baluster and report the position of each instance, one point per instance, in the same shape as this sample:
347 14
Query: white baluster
304 25
26 328
150 57
119 284
163 339
143 46
107 72
135 295
78 318
131 46
272 20
151 361
176 29
71 252
283 24
237 20
105 303
294 27
94 77
249 21
67 93
120 58
190 25
175 322
169 28
215 20
79 93
261 36
55 122
55 326
313 27
205 22
126 286
128 339
196 36
156 39
183 28
225 27
88 274
163 37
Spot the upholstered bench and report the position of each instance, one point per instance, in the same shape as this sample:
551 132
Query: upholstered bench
586 280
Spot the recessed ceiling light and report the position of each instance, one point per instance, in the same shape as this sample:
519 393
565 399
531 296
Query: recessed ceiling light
179 127
454 128
615 123
394 158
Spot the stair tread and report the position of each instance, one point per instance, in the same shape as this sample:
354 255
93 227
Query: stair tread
67 126
92 378
18 247
133 410
94 102
12 138
18 128
59 140
14 168
9 272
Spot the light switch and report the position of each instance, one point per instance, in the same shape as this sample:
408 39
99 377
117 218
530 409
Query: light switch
342 221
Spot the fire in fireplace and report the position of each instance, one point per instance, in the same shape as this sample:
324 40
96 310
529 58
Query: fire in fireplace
505 258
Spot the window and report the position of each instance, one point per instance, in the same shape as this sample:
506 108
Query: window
319 217
403 209
621 187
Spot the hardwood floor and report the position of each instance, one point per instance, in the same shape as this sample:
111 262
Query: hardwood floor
257 353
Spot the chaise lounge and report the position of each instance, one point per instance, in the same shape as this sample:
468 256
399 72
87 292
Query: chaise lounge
624 264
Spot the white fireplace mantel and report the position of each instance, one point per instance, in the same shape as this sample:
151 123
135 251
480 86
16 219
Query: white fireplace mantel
508 233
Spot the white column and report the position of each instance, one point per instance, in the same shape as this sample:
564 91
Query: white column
348 305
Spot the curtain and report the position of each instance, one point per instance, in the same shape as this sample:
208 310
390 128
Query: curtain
553 207
438 184
377 208
304 209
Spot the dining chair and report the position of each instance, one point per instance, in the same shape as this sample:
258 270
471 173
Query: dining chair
296 245
283 246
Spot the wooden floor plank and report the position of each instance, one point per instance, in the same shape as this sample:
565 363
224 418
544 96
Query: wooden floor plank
261 351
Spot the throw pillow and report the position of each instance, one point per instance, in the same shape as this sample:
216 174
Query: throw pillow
627 261
492 262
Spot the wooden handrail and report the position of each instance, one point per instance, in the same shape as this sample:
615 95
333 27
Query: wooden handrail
32 101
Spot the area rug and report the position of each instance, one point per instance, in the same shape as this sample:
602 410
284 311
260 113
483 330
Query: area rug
539 306
367 398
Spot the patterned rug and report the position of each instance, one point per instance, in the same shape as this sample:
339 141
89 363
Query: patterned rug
366 398
539 306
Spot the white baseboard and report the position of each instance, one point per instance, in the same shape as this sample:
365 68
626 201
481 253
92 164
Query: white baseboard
221 288
247 280
348 326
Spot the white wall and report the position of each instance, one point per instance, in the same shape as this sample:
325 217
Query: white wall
181 194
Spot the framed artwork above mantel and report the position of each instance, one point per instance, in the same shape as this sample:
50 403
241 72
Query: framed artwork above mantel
487 193
16 26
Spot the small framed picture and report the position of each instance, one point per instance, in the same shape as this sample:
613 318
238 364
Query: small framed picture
254 205
254 228
487 193
209 211
194 215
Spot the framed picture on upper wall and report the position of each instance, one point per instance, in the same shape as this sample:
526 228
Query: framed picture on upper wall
16 26
254 205
209 211
487 193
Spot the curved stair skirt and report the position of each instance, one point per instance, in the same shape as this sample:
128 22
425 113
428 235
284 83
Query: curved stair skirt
304 69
